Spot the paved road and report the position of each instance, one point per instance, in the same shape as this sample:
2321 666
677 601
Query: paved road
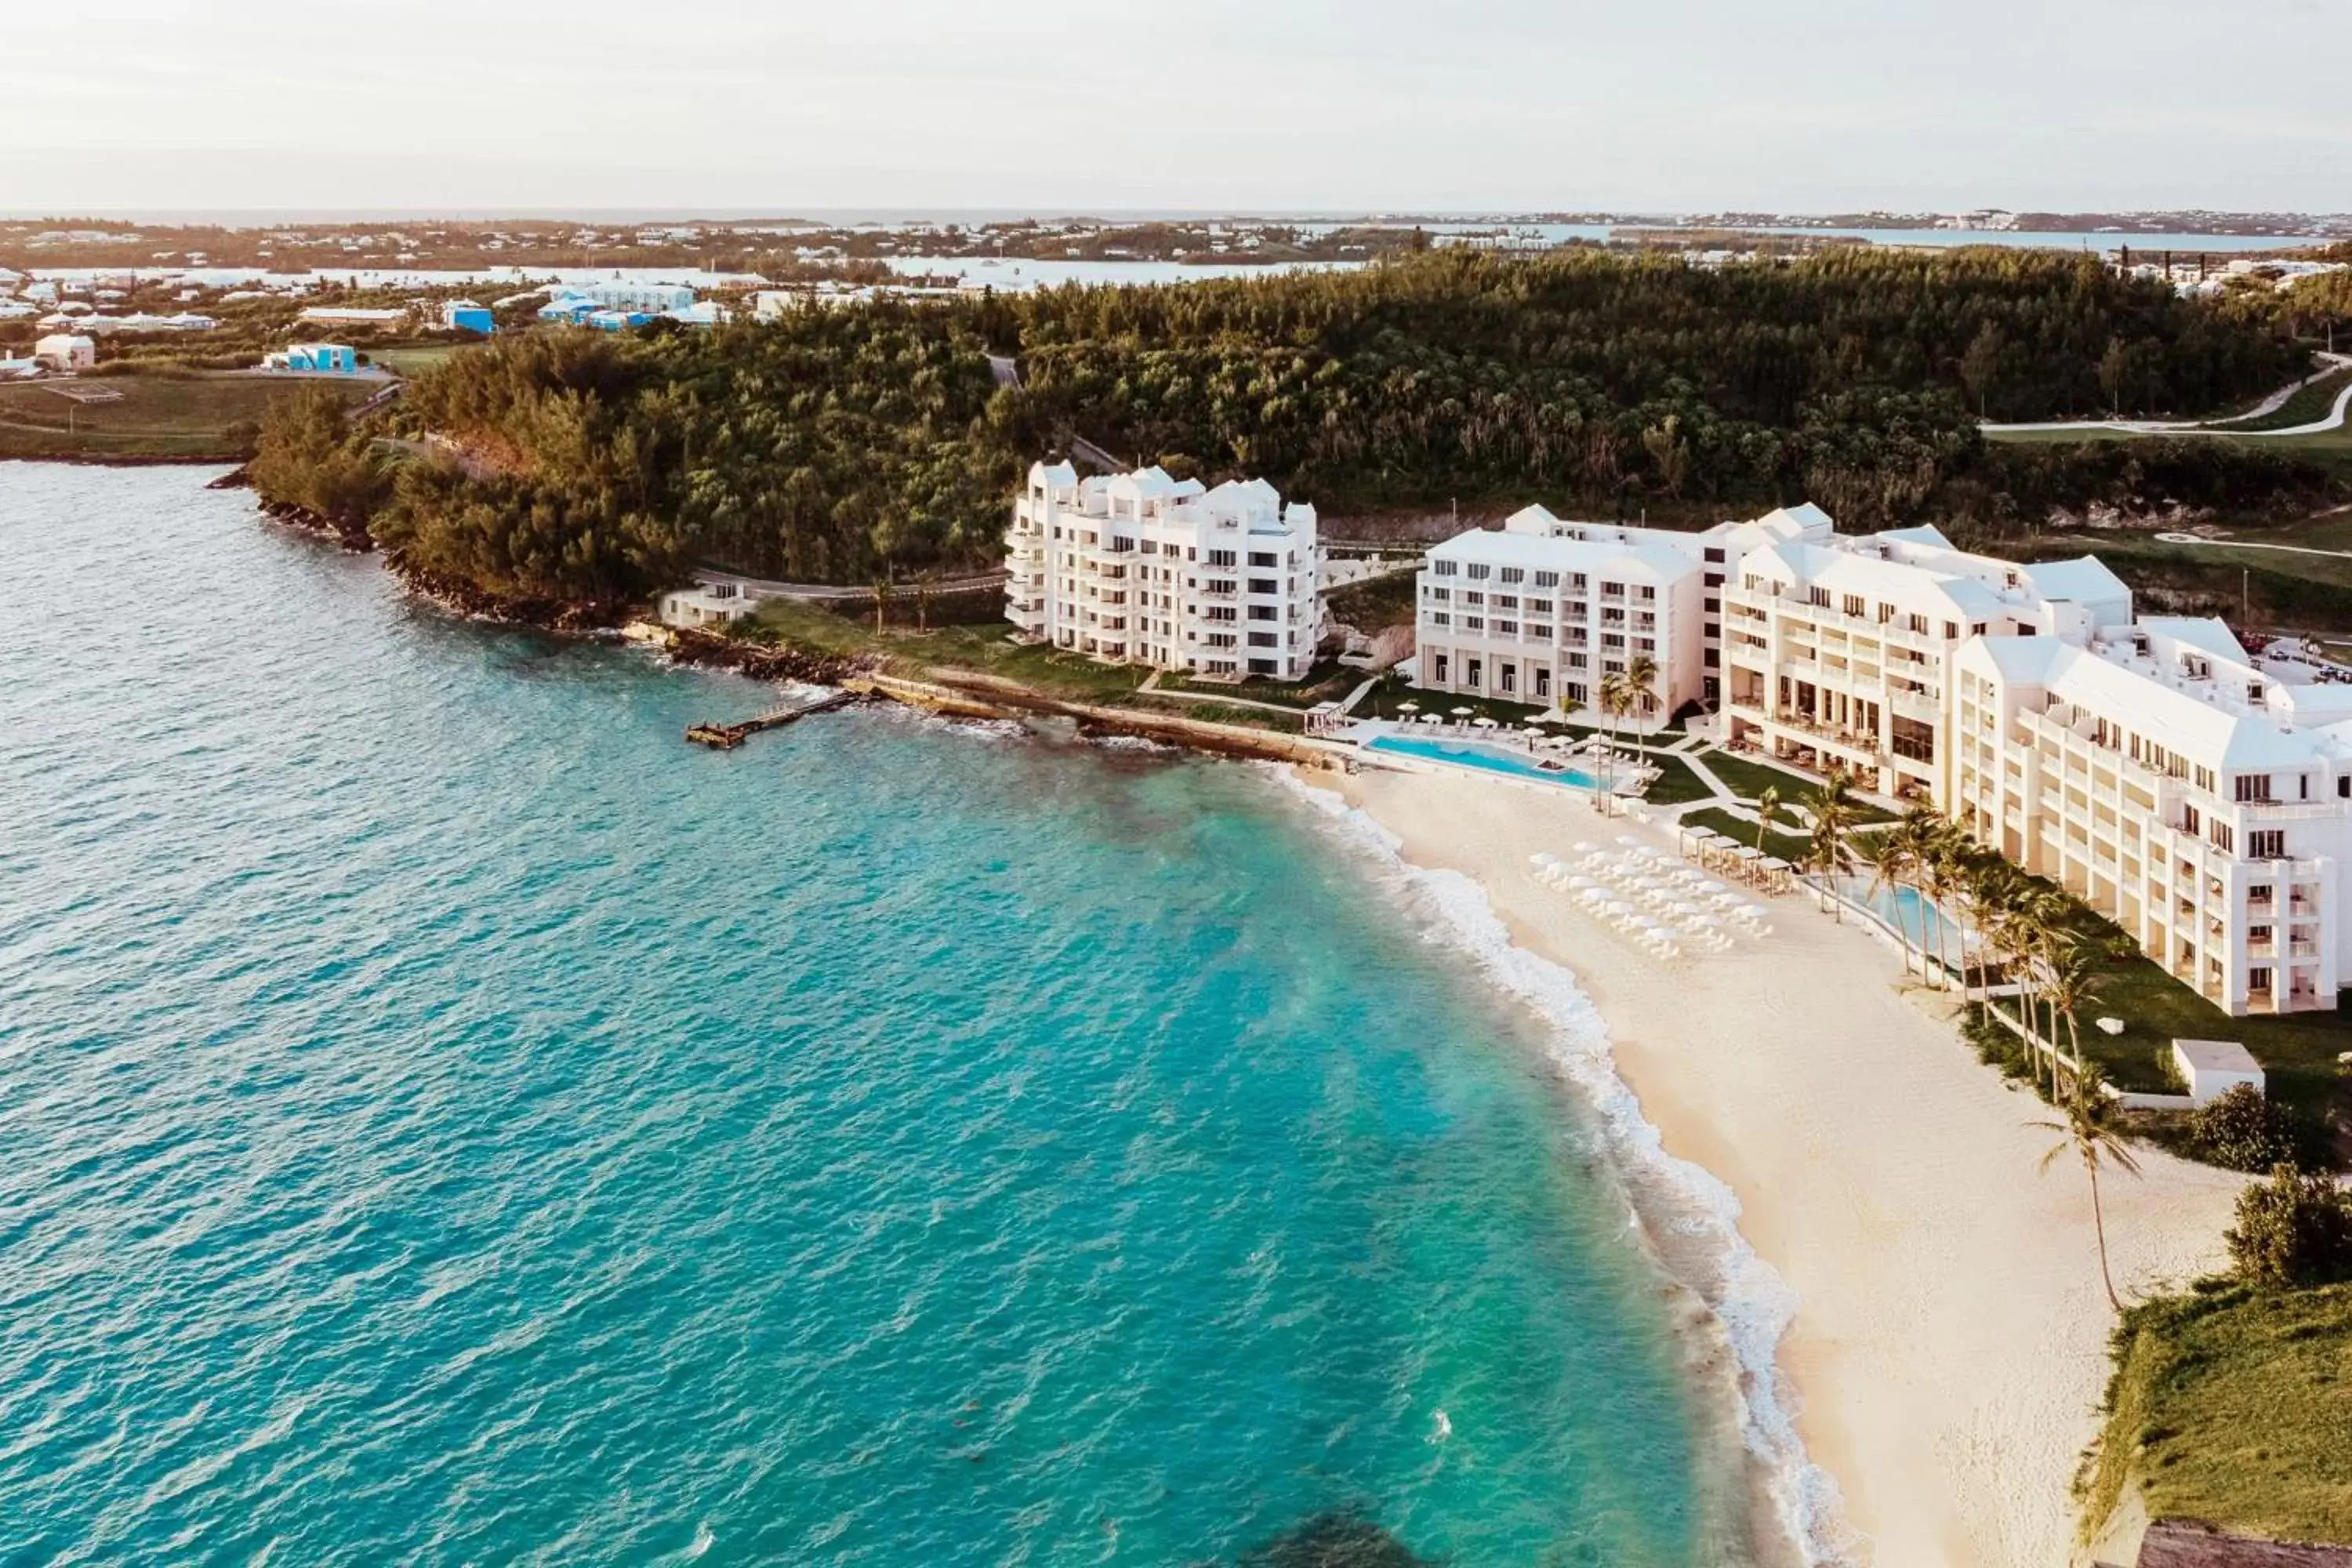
2270 405
768 588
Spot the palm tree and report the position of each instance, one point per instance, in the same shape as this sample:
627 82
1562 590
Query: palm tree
1617 694
881 598
2070 981
1893 857
1766 804
1640 681
1832 805
2088 1128
1942 860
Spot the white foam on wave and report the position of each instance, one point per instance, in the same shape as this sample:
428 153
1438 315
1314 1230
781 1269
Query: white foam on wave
1754 1305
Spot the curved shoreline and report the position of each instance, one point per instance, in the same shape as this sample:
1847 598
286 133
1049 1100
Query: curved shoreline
1746 1306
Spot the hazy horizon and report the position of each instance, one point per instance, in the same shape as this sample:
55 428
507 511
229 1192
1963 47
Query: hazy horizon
722 107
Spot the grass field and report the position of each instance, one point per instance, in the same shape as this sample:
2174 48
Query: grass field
416 360
2233 1406
2307 406
157 416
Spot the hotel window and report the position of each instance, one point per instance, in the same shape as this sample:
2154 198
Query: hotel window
1472 670
1441 593
1439 618
1918 624
1714 580
1576 583
2266 844
1264 640
1506 601
1473 623
1543 682
1513 574
1265 584
1576 661
1478 569
1264 558
1221 558
1506 629
1714 555
1540 631
1442 568
2225 837
1712 606
1546 579
1473 596
1438 674
2344 787
2258 979
1818 597
1220 613
1646 591
2252 786
1265 612
1612 640
1855 606
1509 676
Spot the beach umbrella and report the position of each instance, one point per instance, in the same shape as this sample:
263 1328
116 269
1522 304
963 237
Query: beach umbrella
1429 718
1408 707
1462 712
1582 846
1543 858
1483 722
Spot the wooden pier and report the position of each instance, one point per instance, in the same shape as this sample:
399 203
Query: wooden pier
727 737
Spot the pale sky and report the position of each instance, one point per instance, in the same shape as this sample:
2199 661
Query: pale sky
779 106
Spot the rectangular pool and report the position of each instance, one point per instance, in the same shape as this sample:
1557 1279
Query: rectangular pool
1479 754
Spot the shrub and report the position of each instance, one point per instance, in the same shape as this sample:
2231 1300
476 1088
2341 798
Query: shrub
2294 1229
2242 1130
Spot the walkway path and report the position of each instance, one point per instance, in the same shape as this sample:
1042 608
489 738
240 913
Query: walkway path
2270 405
767 588
1152 687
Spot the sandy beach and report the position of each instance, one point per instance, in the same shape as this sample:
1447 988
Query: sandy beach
1949 1344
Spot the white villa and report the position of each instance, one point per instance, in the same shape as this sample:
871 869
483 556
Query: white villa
2153 767
1139 568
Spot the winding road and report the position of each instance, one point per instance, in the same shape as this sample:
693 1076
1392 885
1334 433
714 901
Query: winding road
2270 405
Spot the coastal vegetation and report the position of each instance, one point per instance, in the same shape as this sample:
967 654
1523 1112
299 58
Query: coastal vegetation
2229 1401
151 415
875 440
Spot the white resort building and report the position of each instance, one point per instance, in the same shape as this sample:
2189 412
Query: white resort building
1139 568
1541 611
2198 795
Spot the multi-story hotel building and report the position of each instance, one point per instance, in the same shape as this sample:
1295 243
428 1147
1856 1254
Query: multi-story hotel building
2154 768
1541 611
2162 776
1139 568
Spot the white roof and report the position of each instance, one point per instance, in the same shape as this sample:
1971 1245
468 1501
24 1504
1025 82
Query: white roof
2182 720
2083 579
2209 632
1593 557
2218 1056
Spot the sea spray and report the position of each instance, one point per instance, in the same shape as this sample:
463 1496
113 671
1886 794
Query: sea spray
1753 1304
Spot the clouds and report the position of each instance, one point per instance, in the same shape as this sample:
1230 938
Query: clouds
1150 104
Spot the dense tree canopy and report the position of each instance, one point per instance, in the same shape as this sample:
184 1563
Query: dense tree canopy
838 443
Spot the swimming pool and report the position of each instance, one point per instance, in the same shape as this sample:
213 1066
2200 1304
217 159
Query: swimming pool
1909 913
1479 754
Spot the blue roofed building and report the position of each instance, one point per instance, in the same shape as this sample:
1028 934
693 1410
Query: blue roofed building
464 316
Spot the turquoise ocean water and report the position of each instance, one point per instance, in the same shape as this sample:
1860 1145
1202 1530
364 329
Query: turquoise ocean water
445 1119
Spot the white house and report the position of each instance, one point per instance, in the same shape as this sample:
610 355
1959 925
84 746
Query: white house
710 605
355 315
66 352
620 294
1140 568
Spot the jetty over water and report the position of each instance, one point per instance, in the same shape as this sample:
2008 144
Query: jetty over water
727 737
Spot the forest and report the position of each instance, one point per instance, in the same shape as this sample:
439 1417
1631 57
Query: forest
846 442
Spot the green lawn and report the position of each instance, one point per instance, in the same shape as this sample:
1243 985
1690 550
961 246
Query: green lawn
2297 1050
1748 777
161 416
2233 1406
416 359
1675 783
1386 701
